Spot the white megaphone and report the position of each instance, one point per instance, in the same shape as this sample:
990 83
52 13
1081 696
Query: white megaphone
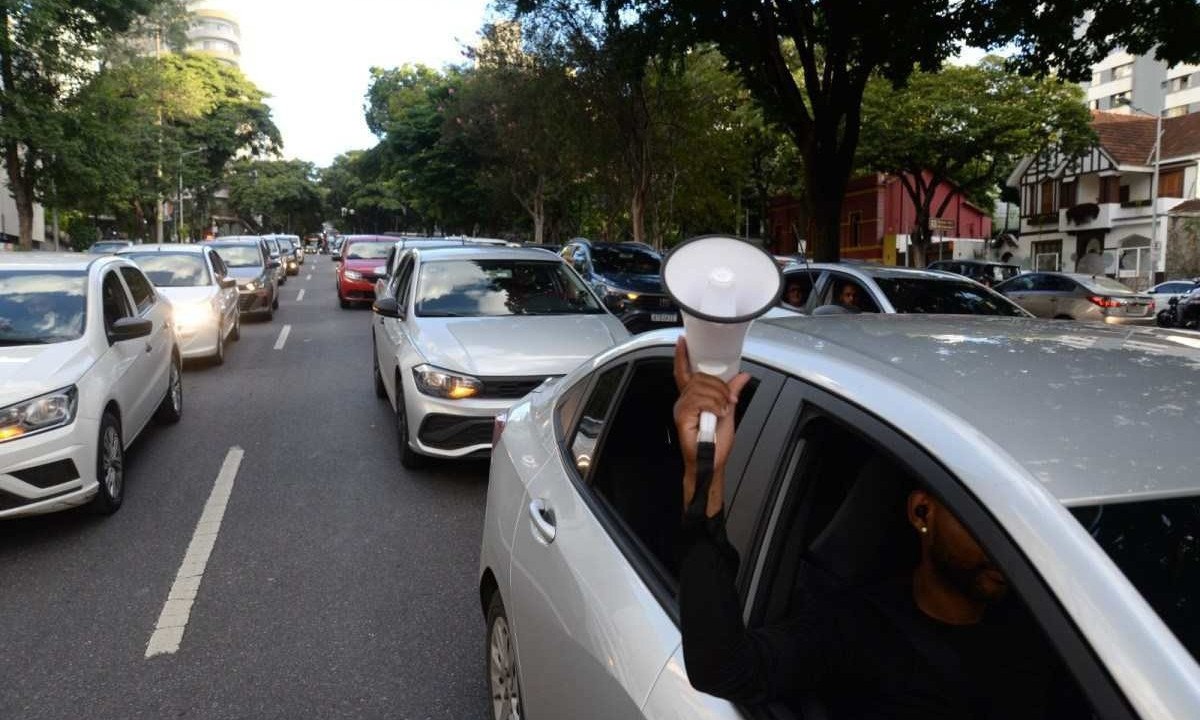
720 284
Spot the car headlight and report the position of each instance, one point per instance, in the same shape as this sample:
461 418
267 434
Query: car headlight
445 384
194 314
249 287
352 275
44 412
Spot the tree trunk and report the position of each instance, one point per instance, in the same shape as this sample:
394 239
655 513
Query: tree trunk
637 213
826 176
22 194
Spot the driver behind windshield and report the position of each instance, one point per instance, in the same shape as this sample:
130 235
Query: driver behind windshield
937 643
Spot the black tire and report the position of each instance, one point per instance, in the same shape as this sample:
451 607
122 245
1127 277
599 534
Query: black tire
380 390
275 300
503 675
409 458
237 328
1063 317
218 357
170 410
110 456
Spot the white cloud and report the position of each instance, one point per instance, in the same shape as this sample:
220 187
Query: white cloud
314 58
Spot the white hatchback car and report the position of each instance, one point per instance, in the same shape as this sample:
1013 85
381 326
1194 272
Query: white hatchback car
1067 450
462 333
88 355
204 297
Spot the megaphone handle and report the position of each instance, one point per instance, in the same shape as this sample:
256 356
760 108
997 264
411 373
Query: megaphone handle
706 449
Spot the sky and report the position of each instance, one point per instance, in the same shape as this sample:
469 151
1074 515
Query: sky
314 58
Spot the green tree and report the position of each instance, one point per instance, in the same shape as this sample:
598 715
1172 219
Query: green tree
965 127
807 62
284 192
48 49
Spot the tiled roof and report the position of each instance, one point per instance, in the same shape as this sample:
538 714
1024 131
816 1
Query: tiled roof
1130 138
1187 206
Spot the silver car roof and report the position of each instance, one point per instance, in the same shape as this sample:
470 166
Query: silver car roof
163 247
49 260
483 252
871 270
1096 413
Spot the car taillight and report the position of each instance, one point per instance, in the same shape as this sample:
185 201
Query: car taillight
498 427
1105 302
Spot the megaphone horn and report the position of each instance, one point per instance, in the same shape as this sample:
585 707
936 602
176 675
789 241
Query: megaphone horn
720 284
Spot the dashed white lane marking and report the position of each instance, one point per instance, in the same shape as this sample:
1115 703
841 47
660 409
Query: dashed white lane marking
300 296
173 619
308 276
283 336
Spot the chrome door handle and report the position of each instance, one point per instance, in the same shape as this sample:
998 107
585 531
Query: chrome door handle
542 521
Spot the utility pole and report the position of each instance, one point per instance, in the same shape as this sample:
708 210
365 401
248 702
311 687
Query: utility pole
179 198
1154 201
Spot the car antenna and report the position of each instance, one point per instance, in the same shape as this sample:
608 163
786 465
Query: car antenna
812 283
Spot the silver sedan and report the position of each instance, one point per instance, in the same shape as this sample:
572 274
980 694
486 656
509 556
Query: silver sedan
1066 450
460 334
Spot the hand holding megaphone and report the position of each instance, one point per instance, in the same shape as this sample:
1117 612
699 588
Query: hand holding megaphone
720 284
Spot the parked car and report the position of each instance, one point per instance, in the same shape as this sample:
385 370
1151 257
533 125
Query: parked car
1091 298
297 247
249 261
981 271
109 247
836 288
628 278
88 356
462 333
203 296
360 262
841 419
1164 291
280 254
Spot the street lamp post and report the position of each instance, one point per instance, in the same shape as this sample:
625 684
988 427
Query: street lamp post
179 199
1156 152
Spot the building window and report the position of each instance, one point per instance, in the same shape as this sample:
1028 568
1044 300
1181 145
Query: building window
1120 99
1095 104
1123 194
1176 111
1047 255
1110 189
1122 71
1047 197
1170 184
1179 83
1066 195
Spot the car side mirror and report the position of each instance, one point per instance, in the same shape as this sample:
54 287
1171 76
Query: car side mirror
380 270
272 263
129 328
387 307
337 257
227 282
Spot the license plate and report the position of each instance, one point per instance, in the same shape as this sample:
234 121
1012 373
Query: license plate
664 317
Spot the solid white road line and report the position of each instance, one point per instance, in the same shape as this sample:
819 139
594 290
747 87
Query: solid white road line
173 619
300 296
283 336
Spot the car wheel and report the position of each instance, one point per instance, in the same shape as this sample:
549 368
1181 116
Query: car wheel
409 458
170 410
503 679
110 466
1063 317
218 357
380 390
236 334
275 301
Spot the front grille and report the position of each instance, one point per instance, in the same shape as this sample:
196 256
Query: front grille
652 302
510 388
49 475
452 432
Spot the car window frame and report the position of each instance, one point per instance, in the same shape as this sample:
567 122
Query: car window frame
216 265
152 297
126 298
796 405
405 271
635 553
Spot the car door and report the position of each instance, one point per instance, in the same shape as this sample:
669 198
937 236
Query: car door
391 336
833 518
128 357
1020 291
153 369
227 298
592 577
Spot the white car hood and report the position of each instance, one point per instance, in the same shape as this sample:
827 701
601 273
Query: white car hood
188 295
27 371
515 345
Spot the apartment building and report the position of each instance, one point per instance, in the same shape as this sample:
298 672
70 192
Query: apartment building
1121 82
215 32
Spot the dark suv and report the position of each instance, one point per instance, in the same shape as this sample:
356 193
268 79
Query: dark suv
628 278
981 271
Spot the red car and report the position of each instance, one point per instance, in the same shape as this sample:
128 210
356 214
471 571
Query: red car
361 262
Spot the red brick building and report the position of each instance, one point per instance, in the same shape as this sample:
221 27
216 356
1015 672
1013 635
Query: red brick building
876 206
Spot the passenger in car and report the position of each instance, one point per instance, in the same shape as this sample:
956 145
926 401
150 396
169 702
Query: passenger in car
794 294
939 642
848 296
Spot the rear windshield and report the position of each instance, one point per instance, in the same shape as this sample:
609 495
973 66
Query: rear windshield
240 255
488 288
1104 284
945 297
42 306
1156 543
172 269
368 250
625 261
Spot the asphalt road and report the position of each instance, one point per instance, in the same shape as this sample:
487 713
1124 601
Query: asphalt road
339 585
